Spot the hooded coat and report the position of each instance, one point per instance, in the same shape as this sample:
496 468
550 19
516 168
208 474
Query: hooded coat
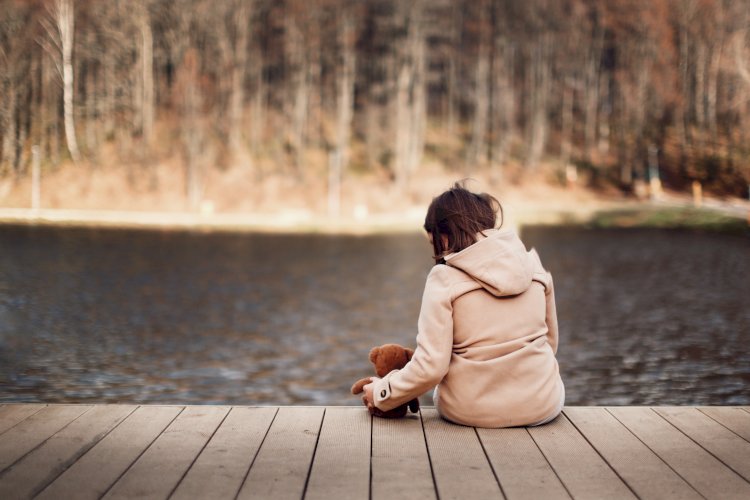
487 337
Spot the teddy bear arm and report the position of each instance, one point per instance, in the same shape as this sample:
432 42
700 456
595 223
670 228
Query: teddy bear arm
360 384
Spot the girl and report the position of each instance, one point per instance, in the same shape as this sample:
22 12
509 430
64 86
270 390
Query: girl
487 329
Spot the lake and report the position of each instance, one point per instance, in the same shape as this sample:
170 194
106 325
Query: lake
90 315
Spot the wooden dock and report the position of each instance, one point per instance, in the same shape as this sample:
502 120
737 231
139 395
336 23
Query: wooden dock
127 451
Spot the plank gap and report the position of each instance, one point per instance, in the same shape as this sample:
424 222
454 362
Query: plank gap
546 458
617 473
315 451
255 456
199 453
654 452
723 424
135 460
8 407
77 456
745 475
429 457
492 467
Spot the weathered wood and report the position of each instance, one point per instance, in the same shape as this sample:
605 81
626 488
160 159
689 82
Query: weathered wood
72 451
37 469
695 465
221 467
102 465
459 464
158 471
580 468
735 419
34 430
646 474
400 463
341 468
712 436
281 468
11 415
520 467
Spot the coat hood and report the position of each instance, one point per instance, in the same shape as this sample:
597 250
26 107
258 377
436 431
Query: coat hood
498 261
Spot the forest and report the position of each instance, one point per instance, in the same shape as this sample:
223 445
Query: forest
618 91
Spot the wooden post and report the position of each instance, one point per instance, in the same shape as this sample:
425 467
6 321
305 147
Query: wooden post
697 194
653 172
35 177
334 183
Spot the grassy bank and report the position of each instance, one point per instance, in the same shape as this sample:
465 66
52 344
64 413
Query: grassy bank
704 219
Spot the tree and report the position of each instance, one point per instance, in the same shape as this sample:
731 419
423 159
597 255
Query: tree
60 27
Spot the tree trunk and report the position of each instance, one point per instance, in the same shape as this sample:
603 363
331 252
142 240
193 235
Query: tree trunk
345 94
453 66
241 18
591 94
191 129
147 74
503 104
419 104
403 125
566 127
91 126
477 152
9 128
299 68
540 70
66 25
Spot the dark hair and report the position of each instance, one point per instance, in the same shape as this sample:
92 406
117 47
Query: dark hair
458 214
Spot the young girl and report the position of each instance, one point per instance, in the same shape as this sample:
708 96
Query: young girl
487 329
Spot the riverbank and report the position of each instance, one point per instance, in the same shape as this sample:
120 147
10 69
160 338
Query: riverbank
596 214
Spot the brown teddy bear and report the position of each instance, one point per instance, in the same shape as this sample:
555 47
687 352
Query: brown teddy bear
386 358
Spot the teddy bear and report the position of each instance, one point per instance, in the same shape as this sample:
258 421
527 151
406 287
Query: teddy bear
386 358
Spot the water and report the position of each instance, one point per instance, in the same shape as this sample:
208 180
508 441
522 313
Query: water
646 317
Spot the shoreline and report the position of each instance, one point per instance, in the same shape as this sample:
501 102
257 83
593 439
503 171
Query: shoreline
409 220
599 215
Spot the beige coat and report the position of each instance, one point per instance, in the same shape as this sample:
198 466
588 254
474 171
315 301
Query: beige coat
487 337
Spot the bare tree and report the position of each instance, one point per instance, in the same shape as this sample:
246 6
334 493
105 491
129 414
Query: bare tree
60 27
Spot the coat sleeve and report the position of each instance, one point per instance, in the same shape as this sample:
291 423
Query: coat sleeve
431 358
551 315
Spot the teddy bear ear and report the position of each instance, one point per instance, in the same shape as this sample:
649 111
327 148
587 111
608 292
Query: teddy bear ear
409 353
374 354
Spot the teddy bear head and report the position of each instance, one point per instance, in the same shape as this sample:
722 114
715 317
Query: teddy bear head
389 357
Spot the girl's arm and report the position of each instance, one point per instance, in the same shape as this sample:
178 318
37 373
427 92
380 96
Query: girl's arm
429 364
551 315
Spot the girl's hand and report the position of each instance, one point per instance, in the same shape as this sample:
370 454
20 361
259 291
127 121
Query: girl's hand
368 399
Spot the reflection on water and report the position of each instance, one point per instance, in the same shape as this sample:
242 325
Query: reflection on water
174 317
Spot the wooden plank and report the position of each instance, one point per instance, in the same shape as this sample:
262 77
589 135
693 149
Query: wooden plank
221 467
280 470
341 468
712 436
102 465
580 468
519 465
459 464
156 473
400 462
735 419
704 472
646 474
40 467
34 430
11 415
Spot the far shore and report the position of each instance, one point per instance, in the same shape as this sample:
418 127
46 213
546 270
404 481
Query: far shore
601 214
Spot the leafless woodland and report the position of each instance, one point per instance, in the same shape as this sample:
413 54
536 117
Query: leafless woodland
614 88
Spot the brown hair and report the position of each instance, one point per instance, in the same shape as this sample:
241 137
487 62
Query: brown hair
458 214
